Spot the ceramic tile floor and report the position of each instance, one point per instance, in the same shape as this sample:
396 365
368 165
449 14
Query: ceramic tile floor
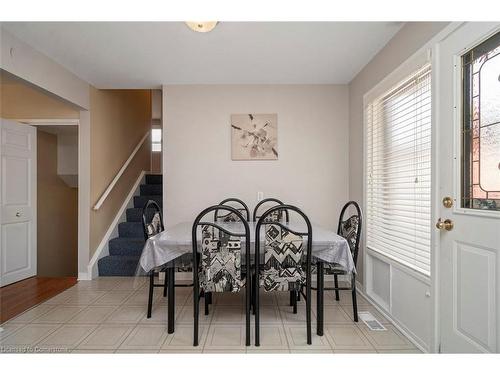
108 315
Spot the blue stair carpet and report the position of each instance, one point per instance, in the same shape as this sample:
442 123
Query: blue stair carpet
125 250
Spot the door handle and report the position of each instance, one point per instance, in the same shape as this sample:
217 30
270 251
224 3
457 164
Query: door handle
446 224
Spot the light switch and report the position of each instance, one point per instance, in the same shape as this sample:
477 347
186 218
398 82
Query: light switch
260 196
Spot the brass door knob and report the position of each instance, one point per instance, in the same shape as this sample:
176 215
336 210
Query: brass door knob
446 224
447 202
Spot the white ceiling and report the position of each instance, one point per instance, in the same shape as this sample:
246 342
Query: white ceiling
148 54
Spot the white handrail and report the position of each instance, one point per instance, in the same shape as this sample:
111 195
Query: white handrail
119 174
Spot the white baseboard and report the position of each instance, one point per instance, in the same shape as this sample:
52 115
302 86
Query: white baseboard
84 276
401 327
102 249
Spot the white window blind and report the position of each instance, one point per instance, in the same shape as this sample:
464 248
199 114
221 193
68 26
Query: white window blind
398 169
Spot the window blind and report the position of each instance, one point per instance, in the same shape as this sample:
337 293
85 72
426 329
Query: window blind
398 167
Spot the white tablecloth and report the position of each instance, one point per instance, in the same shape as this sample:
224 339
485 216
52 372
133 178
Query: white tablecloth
176 241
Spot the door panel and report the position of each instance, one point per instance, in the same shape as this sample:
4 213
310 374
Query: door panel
17 201
15 177
16 242
474 295
468 254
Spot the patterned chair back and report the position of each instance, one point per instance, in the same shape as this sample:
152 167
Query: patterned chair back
283 268
152 220
275 215
350 228
219 269
229 217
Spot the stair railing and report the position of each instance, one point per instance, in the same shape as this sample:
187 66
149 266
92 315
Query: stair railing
119 174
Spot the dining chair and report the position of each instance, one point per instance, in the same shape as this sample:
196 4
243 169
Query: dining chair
219 269
235 203
283 268
152 224
275 215
350 229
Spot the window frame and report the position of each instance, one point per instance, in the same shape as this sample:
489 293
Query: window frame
465 116
384 87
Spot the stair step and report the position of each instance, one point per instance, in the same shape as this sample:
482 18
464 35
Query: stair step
126 246
134 214
154 179
152 189
125 250
130 229
140 201
113 265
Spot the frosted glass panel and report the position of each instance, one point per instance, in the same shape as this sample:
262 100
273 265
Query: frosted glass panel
481 126
490 91
490 158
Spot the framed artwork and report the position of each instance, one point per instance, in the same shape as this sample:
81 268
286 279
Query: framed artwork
254 136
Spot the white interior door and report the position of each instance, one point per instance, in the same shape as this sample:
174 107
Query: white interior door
17 201
468 139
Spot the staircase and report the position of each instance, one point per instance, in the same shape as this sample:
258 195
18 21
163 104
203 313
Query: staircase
125 250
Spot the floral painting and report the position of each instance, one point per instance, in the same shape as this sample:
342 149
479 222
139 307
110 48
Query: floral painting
254 136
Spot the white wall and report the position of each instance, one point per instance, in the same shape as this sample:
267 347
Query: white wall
312 170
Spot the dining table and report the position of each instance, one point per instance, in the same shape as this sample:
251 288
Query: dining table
173 248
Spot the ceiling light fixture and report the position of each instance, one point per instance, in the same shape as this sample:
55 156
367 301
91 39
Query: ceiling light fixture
202 27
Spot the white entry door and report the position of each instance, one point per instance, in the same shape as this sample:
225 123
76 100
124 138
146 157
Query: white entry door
467 101
17 201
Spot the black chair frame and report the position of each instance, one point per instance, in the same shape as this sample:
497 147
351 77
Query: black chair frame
229 200
307 294
267 200
196 261
150 204
320 265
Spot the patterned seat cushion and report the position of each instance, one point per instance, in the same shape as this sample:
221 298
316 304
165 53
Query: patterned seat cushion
220 269
275 216
282 269
349 230
231 217
154 227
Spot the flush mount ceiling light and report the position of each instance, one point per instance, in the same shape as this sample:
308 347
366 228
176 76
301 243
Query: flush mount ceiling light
202 27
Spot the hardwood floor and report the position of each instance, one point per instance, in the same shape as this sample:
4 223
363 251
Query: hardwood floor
18 297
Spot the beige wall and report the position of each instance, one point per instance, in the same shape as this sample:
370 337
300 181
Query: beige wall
118 121
312 143
405 43
23 101
57 227
156 162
